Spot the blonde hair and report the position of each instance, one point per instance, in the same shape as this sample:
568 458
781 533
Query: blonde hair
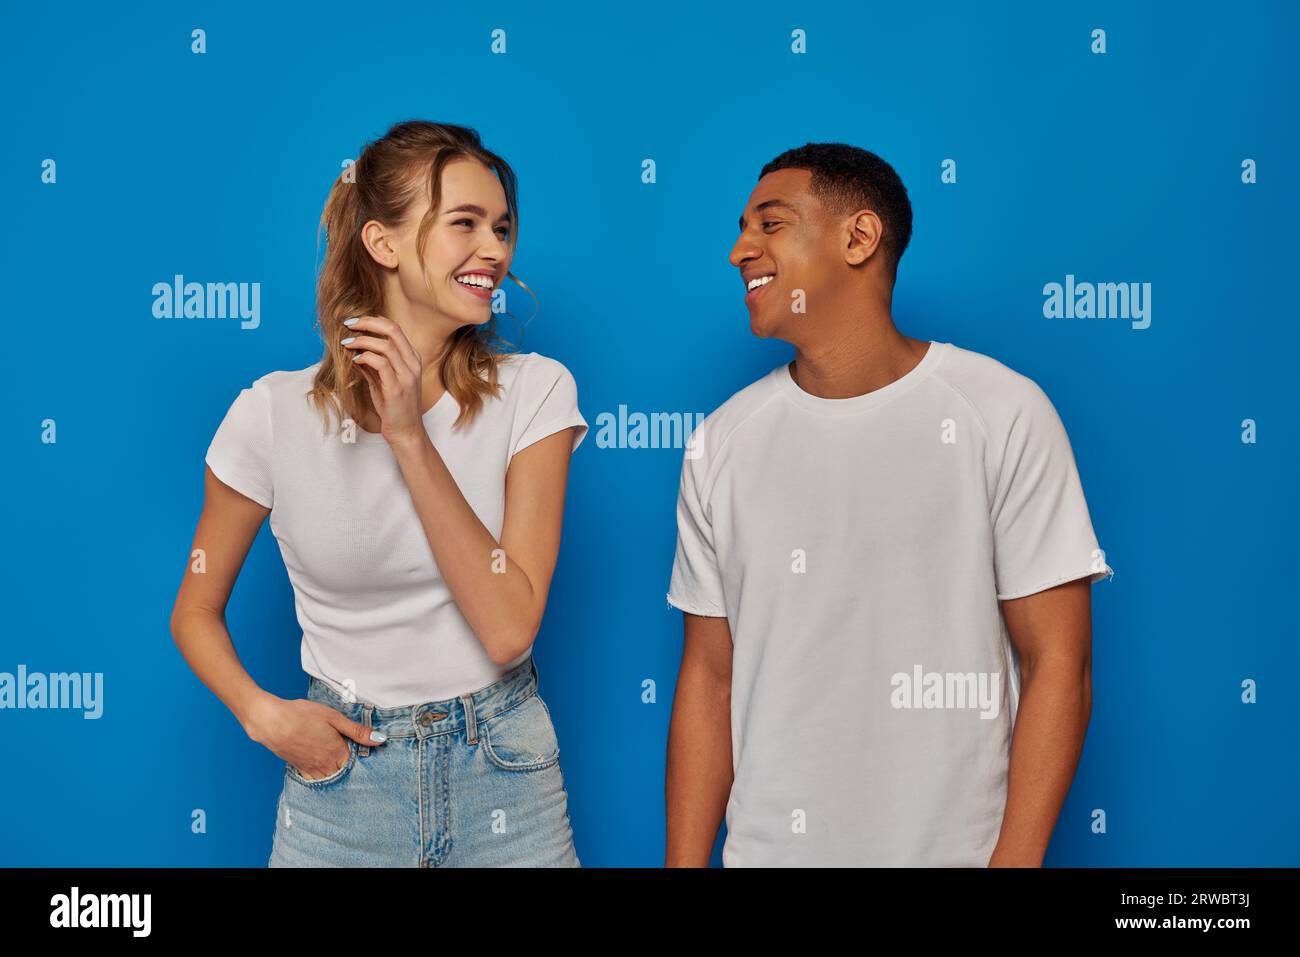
390 174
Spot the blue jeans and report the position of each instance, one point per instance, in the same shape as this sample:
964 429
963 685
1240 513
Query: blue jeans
472 781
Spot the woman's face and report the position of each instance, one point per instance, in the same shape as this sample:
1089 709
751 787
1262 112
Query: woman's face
468 248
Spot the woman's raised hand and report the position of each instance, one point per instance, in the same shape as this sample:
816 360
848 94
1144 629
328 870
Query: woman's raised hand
392 369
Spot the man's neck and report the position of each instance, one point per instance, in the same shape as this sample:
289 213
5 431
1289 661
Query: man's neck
856 358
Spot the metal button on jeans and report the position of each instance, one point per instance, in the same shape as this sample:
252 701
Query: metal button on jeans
425 719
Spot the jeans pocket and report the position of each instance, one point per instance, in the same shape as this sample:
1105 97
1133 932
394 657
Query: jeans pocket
521 738
326 781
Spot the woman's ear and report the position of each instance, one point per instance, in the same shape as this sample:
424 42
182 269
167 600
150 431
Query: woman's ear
377 239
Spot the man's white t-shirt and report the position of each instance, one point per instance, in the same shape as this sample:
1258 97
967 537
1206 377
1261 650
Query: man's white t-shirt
859 548
378 621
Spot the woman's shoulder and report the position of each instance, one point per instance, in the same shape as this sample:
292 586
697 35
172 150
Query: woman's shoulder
533 367
281 378
273 395
531 382
280 382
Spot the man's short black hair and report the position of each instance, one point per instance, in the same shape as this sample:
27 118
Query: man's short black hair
846 178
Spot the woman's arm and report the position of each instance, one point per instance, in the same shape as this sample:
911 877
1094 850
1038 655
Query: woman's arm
227 526
304 733
500 587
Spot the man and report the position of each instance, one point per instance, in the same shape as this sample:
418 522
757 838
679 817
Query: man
885 561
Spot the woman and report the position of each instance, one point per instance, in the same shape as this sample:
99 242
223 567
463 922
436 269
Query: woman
420 532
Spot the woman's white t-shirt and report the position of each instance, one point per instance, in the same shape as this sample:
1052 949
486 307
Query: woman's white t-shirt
379 624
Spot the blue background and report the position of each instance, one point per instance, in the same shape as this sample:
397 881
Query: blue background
1121 167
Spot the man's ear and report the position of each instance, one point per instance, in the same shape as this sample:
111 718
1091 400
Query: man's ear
862 236
375 237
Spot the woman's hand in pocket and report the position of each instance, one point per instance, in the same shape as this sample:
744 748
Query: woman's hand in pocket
309 735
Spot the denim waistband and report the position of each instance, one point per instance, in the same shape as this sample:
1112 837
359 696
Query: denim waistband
436 717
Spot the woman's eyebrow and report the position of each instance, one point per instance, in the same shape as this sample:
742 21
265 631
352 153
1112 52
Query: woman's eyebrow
477 211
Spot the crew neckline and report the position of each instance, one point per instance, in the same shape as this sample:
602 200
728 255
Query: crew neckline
869 400
445 399
445 402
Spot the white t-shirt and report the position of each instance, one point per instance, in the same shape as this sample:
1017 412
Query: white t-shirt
378 621
858 548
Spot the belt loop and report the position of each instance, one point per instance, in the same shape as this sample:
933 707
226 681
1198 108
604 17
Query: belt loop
471 723
364 749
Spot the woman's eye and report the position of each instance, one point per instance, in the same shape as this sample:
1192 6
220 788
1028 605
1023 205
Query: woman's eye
504 231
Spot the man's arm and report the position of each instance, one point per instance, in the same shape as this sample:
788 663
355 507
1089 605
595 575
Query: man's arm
699 774
1052 631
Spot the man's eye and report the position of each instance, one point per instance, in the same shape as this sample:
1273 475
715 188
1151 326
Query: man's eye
771 222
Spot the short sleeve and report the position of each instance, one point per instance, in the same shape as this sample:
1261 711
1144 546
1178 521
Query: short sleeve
696 583
240 452
1042 533
549 403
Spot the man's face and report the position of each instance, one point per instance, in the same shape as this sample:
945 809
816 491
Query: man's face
785 235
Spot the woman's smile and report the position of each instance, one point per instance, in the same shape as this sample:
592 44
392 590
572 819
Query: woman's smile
478 283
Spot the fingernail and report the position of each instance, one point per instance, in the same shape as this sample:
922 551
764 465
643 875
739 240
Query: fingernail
344 342
378 736
352 321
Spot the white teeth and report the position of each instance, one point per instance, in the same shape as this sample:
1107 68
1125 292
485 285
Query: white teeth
483 282
758 281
